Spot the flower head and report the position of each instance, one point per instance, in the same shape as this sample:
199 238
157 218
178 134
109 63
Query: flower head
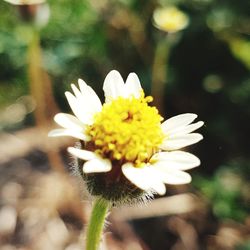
170 19
126 147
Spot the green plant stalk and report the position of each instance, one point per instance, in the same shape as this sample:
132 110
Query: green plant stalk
95 227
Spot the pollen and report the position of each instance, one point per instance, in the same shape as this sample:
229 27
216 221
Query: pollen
127 130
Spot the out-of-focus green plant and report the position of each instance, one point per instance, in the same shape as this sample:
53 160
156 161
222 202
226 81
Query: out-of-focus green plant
228 191
240 47
244 246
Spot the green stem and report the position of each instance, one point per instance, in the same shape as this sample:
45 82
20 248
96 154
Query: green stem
95 227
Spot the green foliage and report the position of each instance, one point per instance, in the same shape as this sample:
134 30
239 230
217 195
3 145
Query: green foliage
228 191
244 246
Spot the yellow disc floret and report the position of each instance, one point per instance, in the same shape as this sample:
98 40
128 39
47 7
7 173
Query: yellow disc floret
127 129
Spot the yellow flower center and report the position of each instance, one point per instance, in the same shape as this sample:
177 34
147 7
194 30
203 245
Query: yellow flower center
127 129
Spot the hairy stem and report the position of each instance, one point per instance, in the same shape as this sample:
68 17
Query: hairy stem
95 227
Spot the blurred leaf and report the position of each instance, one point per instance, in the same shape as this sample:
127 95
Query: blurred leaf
241 49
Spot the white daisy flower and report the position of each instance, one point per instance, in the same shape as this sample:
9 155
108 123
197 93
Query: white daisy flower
126 138
170 19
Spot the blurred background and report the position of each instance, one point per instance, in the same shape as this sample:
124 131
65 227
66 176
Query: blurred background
192 56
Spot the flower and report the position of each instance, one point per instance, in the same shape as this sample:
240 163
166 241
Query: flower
125 139
170 19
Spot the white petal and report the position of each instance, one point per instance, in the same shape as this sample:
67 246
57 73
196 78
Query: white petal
92 96
68 132
97 165
174 177
178 160
113 86
186 129
74 105
94 164
159 187
180 141
83 86
145 178
83 154
69 121
138 176
177 121
81 108
85 103
133 86
76 91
